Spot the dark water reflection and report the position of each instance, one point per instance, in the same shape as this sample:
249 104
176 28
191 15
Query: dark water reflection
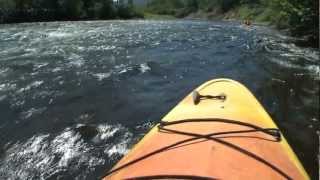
75 96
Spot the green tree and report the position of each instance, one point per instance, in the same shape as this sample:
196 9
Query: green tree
107 11
177 4
193 4
130 3
23 4
302 17
7 4
226 5
71 8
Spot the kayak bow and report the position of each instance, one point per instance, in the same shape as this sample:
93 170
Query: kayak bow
219 131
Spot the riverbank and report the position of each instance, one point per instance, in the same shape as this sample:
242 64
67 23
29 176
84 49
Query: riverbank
151 16
260 16
235 15
298 19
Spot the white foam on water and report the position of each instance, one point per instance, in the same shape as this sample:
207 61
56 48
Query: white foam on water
119 148
44 155
40 65
31 112
281 36
80 48
233 38
34 84
156 44
22 158
102 76
144 68
213 29
147 125
294 54
4 71
69 145
288 55
106 131
278 80
315 70
57 34
121 68
107 47
295 51
17 103
43 94
7 87
75 60
35 145
283 63
56 69
77 63
30 51
101 48
123 71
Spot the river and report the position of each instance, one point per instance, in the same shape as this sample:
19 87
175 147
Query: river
75 96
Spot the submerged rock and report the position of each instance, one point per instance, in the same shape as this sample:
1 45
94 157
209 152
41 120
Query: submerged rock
87 131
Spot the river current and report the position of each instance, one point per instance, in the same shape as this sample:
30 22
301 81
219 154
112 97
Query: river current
76 96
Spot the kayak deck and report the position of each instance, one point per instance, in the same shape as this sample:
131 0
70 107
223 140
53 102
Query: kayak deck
251 155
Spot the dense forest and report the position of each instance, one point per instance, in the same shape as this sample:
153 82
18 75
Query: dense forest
299 17
49 10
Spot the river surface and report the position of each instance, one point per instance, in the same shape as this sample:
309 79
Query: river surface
75 96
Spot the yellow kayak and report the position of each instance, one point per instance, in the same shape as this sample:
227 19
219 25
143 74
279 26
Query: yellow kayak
219 131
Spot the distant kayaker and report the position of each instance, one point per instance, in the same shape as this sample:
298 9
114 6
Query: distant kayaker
247 22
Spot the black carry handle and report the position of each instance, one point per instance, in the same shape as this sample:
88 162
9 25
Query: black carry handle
198 97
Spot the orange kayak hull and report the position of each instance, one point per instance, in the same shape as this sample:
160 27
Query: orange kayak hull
252 155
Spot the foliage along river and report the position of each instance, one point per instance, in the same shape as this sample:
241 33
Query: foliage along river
75 96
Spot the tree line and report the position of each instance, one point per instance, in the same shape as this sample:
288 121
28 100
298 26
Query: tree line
12 11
